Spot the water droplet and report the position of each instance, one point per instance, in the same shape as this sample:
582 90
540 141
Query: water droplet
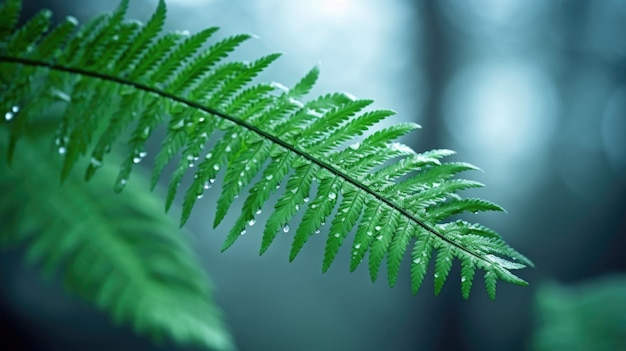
357 246
240 183
15 109
8 116
207 185
259 211
247 168
208 156
212 180
228 149
241 174
199 196
337 235
345 210
136 159
369 233
62 150
296 102
436 275
306 199
143 154
234 135
189 157
251 222
317 231
323 223
179 124
448 259
417 260
297 207
355 146
242 232
277 85
463 279
269 177
184 33
380 237
146 132
277 186
378 228
286 228
216 167
294 190
201 120
313 205
116 37
95 162
332 196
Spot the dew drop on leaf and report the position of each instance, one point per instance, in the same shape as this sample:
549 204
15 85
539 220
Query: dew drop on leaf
207 185
95 162
234 135
332 196
317 231
337 235
178 125
286 228
313 206
8 116
228 149
62 150
269 177
200 196
417 260
369 233
208 156
216 167
297 207
306 199
463 279
380 237
259 211
251 222
378 228
242 232
436 275
357 246
355 146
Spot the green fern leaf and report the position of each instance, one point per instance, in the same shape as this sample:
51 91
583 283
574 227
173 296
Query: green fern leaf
116 251
256 135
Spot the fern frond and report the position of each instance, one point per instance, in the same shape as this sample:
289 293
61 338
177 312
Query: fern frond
116 251
257 136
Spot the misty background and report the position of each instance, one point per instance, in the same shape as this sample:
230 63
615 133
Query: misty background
532 92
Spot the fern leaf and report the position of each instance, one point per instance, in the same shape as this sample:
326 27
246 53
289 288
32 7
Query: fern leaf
443 263
421 254
398 246
10 14
467 277
256 135
141 42
352 205
116 251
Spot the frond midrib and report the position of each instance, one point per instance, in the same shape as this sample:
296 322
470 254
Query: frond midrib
291 148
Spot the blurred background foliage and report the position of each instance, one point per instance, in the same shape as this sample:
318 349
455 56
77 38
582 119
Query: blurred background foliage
533 92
